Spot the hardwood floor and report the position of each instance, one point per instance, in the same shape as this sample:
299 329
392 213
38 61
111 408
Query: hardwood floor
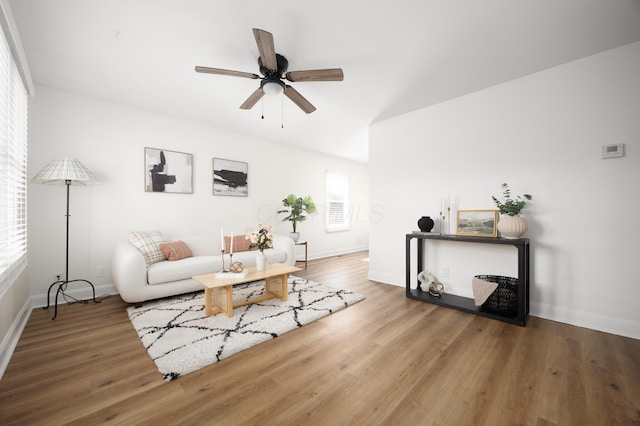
386 360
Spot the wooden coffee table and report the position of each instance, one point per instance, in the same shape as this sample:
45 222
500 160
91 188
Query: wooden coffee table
218 291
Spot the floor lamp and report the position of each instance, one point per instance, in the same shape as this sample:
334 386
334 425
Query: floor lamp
65 171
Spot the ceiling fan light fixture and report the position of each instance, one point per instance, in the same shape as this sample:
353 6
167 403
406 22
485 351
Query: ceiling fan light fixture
273 67
273 87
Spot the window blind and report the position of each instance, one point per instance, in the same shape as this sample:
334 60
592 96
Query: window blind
337 196
13 169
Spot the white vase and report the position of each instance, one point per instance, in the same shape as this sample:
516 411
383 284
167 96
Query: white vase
295 236
261 261
512 227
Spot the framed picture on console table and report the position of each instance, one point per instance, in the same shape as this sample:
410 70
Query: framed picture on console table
477 223
168 171
230 177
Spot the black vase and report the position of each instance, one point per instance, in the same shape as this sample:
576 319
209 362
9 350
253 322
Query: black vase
425 223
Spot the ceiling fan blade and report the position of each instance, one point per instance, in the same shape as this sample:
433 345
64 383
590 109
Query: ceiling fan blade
226 72
333 74
266 48
299 100
251 100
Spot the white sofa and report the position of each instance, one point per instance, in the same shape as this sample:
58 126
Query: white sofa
137 283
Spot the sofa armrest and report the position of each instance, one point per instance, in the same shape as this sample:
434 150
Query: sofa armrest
286 244
129 272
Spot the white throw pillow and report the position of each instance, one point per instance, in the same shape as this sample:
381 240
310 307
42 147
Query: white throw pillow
149 245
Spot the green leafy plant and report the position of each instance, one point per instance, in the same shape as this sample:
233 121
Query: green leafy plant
296 209
510 206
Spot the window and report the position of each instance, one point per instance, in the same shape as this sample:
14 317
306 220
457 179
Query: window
337 214
13 169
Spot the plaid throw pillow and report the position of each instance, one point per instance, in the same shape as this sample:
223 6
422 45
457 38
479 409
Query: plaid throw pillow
149 245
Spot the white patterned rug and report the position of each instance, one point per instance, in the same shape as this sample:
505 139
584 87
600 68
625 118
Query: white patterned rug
181 339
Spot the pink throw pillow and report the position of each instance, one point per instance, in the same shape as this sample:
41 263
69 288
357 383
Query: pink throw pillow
240 243
175 250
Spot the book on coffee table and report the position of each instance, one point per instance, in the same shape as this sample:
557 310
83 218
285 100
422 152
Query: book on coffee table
230 274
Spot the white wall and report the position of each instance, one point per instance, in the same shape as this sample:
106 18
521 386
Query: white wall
542 134
110 139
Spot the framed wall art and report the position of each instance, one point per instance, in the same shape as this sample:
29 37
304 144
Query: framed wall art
477 223
168 171
230 177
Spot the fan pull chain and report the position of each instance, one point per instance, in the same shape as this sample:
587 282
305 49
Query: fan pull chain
262 105
282 111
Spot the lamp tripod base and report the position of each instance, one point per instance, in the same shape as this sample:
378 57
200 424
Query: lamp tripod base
62 285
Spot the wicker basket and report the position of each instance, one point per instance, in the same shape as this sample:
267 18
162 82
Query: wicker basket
504 300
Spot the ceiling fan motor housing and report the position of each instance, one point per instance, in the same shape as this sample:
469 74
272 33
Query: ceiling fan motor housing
273 76
282 63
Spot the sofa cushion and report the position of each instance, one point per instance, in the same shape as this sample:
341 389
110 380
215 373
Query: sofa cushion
148 243
275 256
202 245
164 272
240 243
175 250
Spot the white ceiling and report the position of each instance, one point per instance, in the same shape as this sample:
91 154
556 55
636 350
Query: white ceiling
397 56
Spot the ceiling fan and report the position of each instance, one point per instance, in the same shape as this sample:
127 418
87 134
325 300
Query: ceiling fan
273 67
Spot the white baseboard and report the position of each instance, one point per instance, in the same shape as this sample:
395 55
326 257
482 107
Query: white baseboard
392 280
607 324
10 340
386 278
323 254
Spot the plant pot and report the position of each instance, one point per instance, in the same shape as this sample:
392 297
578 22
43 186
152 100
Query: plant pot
512 227
295 236
261 261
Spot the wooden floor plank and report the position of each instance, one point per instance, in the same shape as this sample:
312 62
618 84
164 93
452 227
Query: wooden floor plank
385 360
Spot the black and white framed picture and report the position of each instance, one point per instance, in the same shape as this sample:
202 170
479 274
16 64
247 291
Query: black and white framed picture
477 223
230 177
168 171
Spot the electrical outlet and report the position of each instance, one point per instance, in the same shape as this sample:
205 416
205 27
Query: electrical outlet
445 272
58 276
99 271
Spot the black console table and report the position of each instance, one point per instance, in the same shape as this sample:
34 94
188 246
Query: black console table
466 304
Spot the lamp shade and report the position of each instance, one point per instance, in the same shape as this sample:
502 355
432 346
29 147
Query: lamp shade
275 87
65 170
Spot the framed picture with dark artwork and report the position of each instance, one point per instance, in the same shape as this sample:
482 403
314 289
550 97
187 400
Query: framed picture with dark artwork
230 177
168 171
477 223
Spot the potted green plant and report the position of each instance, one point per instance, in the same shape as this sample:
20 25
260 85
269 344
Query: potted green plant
510 206
296 209
511 225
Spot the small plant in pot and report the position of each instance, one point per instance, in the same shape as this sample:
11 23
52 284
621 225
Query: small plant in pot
510 206
511 224
296 209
